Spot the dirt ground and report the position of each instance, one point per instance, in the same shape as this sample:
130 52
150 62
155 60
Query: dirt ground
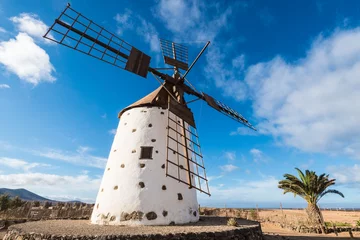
299 216
2 234
274 232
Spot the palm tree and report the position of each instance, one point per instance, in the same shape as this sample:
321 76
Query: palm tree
312 188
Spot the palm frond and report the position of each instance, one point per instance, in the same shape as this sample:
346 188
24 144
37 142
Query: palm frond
331 191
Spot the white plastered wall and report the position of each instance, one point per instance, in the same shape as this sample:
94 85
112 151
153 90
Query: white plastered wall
120 192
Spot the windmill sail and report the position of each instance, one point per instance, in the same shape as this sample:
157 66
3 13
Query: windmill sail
174 54
224 109
76 31
184 161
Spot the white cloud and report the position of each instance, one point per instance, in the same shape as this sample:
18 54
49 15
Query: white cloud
27 60
48 184
2 30
124 21
32 25
227 79
231 156
81 157
244 131
258 156
212 178
239 62
346 174
112 131
228 168
307 164
4 86
20 164
150 34
179 15
246 191
312 103
192 19
144 28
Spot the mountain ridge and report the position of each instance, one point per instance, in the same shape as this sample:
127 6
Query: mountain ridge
24 194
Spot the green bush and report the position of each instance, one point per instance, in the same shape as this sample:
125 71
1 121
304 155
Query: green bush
16 202
253 214
337 224
358 223
5 202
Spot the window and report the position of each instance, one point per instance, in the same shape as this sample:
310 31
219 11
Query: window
146 152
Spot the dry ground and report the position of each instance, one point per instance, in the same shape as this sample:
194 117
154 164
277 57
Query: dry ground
79 227
274 232
298 216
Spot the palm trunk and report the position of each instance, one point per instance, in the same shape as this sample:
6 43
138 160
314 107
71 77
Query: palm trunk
315 216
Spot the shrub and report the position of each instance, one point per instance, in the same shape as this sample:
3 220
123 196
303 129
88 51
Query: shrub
36 204
337 224
4 202
232 222
253 214
358 223
239 213
16 202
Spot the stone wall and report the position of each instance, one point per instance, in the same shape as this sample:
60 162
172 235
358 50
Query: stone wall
253 233
47 210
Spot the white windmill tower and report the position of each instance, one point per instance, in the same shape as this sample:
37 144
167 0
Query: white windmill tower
155 164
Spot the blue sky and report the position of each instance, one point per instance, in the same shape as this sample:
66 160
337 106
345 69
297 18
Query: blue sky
291 67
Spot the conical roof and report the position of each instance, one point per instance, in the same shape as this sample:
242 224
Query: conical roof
156 98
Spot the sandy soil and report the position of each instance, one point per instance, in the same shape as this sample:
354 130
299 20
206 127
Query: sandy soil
299 216
275 232
272 232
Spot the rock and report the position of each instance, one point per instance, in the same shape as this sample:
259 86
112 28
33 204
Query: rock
164 213
124 216
151 216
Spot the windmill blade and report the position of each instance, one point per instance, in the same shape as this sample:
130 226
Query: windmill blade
76 31
212 102
174 54
184 160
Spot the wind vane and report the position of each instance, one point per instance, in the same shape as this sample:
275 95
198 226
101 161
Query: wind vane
155 164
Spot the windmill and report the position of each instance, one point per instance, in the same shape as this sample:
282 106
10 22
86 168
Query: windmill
155 163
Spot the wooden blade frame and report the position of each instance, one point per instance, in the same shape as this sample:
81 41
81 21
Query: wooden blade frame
174 54
184 161
226 110
76 31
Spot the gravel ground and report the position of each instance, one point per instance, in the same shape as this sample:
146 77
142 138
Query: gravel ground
83 227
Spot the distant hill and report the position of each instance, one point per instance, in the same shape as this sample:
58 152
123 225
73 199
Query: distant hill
23 194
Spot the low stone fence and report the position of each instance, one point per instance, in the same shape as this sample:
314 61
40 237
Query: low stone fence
46 210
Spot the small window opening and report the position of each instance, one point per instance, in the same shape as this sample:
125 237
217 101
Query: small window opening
146 152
